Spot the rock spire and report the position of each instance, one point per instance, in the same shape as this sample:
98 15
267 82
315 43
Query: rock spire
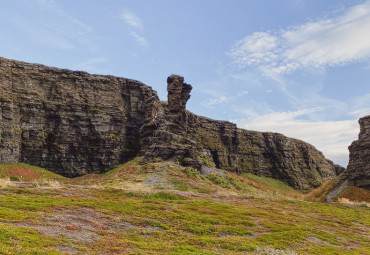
358 170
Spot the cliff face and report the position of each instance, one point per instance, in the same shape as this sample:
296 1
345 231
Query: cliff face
75 123
358 169
72 123
223 145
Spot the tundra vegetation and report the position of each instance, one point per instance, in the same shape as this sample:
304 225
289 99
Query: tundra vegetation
163 208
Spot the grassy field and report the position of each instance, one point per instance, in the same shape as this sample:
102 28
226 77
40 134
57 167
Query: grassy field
165 209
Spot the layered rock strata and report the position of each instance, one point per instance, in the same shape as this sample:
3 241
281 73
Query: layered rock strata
71 123
75 123
223 145
358 169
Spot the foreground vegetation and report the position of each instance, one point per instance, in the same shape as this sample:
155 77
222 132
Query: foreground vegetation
165 209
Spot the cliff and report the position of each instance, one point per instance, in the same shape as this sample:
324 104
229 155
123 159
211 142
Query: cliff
72 123
358 169
223 145
75 123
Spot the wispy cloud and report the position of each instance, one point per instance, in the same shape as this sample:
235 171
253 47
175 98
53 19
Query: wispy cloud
136 26
216 100
139 39
331 137
334 41
41 34
90 65
52 26
132 20
360 112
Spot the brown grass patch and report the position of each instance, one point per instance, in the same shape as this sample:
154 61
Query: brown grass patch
23 173
73 227
256 184
319 194
356 194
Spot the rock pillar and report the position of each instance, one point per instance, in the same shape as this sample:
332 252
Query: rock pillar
166 137
178 93
358 170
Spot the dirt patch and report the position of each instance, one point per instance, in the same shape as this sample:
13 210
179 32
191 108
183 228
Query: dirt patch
82 225
66 249
211 170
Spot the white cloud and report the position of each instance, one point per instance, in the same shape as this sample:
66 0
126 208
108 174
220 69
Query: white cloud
324 43
255 49
90 65
360 113
216 100
53 27
330 137
132 20
42 35
139 39
242 93
220 98
136 25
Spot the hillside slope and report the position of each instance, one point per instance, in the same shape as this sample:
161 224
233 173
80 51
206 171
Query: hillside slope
163 208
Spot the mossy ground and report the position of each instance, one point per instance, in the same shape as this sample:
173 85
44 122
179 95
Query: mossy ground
176 211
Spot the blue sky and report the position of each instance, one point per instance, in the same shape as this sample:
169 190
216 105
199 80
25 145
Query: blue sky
297 67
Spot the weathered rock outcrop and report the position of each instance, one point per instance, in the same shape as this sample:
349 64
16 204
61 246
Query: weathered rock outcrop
75 123
165 134
72 123
222 144
358 169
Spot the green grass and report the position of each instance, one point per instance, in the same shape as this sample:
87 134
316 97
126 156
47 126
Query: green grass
269 182
170 223
198 215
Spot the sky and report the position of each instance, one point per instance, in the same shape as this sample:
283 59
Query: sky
296 67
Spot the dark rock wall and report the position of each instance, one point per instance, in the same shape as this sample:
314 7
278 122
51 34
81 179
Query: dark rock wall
69 122
221 144
75 123
358 169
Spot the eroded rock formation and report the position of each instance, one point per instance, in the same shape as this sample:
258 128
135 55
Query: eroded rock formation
165 134
75 123
358 169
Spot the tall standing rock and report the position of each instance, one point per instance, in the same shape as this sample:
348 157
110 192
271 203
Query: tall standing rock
178 93
165 134
358 170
